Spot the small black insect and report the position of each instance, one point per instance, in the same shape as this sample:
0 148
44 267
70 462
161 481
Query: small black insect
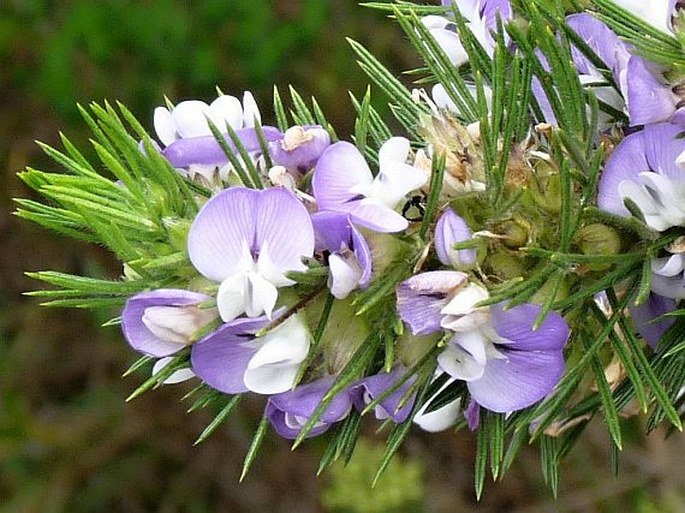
414 208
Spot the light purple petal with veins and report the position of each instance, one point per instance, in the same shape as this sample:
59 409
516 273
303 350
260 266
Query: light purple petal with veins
599 37
237 218
372 387
139 335
449 230
644 317
626 163
289 412
206 150
421 298
339 169
648 99
534 360
221 358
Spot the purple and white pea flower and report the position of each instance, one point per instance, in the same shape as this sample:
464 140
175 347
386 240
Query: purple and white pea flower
643 169
392 407
247 240
436 300
234 360
481 19
506 364
449 230
300 148
189 143
289 412
344 183
645 97
349 261
162 322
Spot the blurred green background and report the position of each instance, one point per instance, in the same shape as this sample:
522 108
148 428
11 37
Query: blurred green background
68 441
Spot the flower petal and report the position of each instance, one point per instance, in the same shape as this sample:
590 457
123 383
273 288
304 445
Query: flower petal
421 297
205 150
218 235
138 335
625 164
374 386
518 381
648 99
644 317
449 230
340 168
299 404
283 224
220 359
164 126
516 326
275 365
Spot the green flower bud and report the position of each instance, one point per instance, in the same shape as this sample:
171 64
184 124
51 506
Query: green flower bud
504 264
515 232
598 239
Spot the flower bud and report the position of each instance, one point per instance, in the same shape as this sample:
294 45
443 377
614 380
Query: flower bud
515 234
598 239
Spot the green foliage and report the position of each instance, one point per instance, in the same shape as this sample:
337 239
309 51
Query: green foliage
400 489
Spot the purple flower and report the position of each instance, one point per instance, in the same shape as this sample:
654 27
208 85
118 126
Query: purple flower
300 148
233 360
449 230
205 151
162 322
344 183
289 412
189 143
369 388
646 98
668 276
436 300
481 16
350 257
507 365
248 240
645 317
643 168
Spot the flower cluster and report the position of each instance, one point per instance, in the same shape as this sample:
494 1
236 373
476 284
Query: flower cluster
244 333
488 269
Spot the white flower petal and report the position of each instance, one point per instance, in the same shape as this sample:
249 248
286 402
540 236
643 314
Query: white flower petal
274 366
